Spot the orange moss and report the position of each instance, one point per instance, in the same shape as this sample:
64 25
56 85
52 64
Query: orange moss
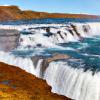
14 13
16 84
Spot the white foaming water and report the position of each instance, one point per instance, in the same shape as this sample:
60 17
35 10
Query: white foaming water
65 36
73 83
84 29
65 80
23 63
34 40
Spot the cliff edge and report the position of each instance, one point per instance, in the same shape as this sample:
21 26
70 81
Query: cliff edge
11 13
16 84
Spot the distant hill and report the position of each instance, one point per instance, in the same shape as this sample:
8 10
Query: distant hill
8 13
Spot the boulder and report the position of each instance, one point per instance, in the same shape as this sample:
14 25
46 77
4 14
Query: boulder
58 56
46 60
9 39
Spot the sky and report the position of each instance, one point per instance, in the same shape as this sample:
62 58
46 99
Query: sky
57 6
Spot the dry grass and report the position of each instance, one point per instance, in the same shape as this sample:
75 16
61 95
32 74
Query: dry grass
14 13
16 84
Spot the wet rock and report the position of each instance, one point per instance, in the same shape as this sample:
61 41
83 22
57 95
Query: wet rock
48 34
86 28
46 60
35 60
59 32
39 45
75 30
9 39
58 56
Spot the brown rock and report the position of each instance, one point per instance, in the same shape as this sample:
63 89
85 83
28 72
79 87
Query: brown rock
16 84
58 57
8 13
9 39
46 62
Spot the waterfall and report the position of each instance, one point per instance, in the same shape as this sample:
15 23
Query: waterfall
60 34
24 63
64 79
73 83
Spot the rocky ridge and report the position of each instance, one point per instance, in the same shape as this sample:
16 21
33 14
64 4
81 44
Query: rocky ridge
12 13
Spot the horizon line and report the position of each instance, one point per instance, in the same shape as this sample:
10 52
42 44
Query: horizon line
24 9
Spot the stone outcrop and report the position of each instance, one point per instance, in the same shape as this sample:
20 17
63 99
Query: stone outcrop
11 13
16 84
57 56
46 60
9 39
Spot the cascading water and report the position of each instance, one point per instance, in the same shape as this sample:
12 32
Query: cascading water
77 77
73 83
24 63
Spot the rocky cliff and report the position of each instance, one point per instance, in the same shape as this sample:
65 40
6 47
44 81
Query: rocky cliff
14 13
9 39
16 84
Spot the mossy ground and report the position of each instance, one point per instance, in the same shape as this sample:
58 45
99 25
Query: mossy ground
16 84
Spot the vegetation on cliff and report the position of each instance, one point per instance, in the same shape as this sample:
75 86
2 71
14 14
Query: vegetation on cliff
16 84
8 13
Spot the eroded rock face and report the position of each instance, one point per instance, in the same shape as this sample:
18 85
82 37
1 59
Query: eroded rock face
9 39
45 63
35 60
57 56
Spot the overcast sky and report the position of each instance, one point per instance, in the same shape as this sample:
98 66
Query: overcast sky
61 6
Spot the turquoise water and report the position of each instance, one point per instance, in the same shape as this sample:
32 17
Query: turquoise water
84 54
50 21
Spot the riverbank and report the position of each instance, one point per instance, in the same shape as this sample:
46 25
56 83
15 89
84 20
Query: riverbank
12 13
16 84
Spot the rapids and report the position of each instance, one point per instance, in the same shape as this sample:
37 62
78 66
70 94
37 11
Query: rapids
77 77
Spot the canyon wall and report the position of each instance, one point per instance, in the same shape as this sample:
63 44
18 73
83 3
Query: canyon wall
9 39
